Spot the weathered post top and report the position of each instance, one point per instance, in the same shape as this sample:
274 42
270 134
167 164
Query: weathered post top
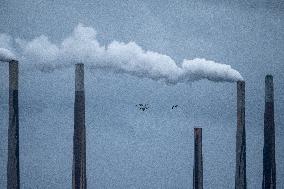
13 74
240 172
269 163
79 77
240 94
241 103
198 160
13 163
269 97
79 179
198 132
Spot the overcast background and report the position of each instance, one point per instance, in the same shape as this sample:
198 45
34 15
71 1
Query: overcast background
128 148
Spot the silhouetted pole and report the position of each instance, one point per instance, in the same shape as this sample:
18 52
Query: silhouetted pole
198 160
240 174
269 164
79 180
13 168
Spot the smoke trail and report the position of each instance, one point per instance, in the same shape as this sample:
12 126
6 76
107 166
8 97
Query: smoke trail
6 55
5 44
83 46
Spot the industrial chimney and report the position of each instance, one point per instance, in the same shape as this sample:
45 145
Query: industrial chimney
269 164
79 180
198 160
240 174
13 164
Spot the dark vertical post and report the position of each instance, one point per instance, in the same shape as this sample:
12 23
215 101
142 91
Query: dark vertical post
269 164
240 174
79 180
198 160
13 168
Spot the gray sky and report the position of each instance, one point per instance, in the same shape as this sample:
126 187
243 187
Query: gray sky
127 148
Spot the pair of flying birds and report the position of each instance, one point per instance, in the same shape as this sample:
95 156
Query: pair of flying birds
144 107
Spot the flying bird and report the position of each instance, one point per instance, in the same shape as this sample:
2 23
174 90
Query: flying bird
174 106
142 107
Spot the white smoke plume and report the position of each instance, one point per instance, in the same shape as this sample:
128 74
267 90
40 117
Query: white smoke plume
6 55
5 44
83 46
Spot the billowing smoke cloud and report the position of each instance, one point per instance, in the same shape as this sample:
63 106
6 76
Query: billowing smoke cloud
83 46
6 55
5 44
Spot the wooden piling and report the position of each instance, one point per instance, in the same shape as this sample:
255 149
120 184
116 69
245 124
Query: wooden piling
269 164
13 164
198 160
79 180
240 172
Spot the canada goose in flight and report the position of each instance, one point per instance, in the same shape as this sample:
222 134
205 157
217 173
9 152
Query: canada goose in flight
174 106
142 107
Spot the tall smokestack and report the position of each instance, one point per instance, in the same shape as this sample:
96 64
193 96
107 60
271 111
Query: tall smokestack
13 168
79 180
269 164
198 160
240 174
